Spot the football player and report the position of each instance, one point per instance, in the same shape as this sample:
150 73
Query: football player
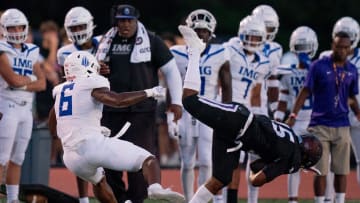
76 117
249 69
281 151
303 46
351 27
20 76
79 28
273 51
196 137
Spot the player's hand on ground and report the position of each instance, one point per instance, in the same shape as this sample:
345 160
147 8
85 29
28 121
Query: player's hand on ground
191 39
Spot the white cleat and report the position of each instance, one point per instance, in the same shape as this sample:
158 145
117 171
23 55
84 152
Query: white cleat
191 39
157 192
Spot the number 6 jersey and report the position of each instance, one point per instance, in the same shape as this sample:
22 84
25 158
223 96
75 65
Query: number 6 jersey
76 110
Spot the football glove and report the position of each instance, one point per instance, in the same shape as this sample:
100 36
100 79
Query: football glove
192 40
156 92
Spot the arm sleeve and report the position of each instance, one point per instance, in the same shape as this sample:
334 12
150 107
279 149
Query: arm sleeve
173 80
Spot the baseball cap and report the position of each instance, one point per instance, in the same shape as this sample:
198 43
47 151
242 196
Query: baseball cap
125 11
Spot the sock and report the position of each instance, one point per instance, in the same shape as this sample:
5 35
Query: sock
293 184
204 174
218 199
339 197
253 193
192 76
319 199
232 196
12 192
201 195
329 190
187 181
84 200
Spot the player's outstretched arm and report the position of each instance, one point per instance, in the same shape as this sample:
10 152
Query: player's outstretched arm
125 99
52 122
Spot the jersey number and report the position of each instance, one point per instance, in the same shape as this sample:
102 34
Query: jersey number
283 131
248 84
65 106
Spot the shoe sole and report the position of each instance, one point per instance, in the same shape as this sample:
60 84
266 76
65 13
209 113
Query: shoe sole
173 198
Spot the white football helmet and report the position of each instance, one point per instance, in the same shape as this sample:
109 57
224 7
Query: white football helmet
80 64
350 26
14 17
250 27
79 16
270 18
201 18
304 40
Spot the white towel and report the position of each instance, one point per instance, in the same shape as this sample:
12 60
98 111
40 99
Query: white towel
141 51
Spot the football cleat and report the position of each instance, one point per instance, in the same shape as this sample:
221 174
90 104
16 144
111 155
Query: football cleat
157 192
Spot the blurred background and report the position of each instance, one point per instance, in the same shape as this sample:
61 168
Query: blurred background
164 15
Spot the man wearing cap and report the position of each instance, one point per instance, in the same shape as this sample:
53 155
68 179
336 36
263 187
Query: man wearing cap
134 56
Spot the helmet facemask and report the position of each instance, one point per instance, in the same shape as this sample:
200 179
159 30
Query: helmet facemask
203 19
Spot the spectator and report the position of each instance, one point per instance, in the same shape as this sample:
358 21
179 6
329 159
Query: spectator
332 81
134 56
21 75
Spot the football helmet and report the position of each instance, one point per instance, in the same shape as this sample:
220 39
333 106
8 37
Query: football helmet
304 40
14 17
201 18
252 33
79 16
350 26
80 64
270 18
311 150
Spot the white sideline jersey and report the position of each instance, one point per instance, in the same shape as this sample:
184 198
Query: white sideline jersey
273 51
66 50
76 110
293 82
245 74
21 61
213 57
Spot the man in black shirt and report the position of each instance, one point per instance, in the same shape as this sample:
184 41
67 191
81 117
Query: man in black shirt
134 56
281 151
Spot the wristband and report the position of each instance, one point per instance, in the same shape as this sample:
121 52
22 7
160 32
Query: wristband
273 106
273 83
149 92
293 115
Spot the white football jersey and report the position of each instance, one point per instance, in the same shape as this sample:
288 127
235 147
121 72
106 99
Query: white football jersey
293 82
245 74
76 110
21 61
273 51
66 50
213 57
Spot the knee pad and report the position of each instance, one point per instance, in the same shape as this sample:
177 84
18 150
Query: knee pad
18 158
3 159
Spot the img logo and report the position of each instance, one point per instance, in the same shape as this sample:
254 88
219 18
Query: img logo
85 61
